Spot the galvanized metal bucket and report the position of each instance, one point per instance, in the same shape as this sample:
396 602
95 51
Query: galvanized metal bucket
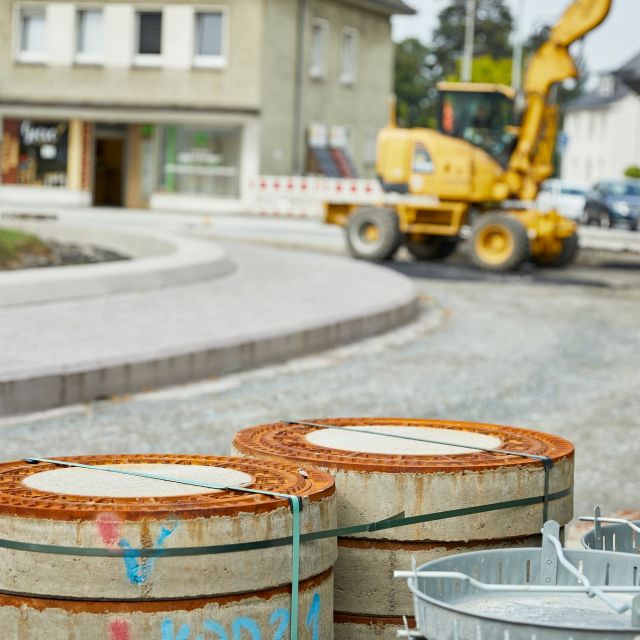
619 534
528 594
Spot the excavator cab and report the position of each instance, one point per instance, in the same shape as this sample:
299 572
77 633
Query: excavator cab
482 114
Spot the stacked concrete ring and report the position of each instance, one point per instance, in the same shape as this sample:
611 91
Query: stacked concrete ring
433 466
55 596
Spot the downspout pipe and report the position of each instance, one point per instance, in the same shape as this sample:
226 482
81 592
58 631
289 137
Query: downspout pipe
298 97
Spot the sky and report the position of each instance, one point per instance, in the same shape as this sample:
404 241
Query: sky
615 42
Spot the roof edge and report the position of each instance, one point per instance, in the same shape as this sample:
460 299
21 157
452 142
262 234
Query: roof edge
388 7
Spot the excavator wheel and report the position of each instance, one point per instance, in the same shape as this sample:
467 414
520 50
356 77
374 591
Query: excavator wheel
431 247
373 233
568 253
498 243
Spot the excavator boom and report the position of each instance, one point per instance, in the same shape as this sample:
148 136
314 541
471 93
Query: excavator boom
579 19
551 64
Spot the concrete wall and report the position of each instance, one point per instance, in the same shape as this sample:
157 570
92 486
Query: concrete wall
119 81
603 142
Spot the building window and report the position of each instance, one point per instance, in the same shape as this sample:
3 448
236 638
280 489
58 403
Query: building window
319 48
33 34
209 39
149 37
349 56
606 86
89 43
201 161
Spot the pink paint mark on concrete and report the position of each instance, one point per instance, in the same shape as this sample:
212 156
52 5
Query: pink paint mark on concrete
119 630
109 529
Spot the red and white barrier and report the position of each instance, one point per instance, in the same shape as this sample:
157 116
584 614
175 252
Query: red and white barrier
300 196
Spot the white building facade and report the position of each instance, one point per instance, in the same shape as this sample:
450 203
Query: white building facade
602 134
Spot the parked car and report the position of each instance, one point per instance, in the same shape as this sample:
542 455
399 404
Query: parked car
568 198
614 203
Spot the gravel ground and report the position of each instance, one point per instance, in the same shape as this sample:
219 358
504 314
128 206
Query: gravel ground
555 351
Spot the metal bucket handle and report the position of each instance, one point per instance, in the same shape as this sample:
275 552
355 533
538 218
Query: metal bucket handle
597 519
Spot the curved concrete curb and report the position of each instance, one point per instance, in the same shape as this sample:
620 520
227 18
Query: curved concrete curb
159 260
276 306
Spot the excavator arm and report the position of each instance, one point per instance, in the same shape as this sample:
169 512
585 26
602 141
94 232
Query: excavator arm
551 64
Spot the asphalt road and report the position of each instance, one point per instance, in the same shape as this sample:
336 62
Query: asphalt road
557 351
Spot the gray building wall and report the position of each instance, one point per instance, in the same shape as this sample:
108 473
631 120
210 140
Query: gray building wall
363 106
278 86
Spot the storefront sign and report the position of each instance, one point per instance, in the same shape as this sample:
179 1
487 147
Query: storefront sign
34 153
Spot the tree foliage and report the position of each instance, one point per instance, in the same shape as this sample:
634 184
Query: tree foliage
487 69
419 67
414 83
494 25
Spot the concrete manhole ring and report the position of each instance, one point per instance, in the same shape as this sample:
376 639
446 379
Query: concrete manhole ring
24 491
353 627
283 441
43 504
260 613
378 477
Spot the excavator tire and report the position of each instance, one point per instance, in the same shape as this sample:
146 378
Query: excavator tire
373 234
432 248
568 253
498 243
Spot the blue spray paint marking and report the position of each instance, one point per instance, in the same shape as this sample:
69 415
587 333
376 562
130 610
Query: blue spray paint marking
139 569
245 623
313 617
283 616
215 627
168 631
280 617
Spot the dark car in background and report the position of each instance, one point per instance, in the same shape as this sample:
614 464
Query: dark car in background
614 203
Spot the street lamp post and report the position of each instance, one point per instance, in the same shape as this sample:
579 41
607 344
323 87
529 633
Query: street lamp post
469 37
518 45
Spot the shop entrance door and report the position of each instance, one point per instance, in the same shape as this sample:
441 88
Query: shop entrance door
108 184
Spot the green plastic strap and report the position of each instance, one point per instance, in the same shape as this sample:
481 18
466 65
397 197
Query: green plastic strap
547 462
294 502
388 523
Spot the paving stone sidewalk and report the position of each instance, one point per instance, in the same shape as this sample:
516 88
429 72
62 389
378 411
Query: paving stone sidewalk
275 304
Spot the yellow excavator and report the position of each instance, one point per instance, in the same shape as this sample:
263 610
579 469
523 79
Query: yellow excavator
477 170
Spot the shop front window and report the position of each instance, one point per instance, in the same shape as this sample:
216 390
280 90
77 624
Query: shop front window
201 161
34 153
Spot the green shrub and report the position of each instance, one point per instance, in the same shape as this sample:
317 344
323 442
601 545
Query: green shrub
632 172
15 244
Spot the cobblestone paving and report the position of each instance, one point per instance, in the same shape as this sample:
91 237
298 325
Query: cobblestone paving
553 351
